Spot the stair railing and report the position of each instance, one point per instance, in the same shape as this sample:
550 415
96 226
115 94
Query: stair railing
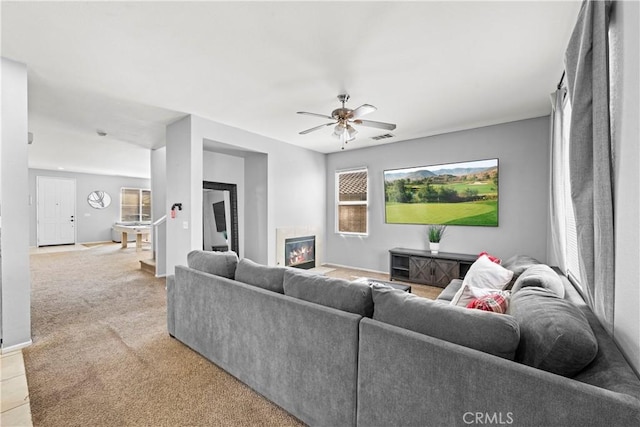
160 246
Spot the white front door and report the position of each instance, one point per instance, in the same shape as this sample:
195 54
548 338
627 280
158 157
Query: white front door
56 211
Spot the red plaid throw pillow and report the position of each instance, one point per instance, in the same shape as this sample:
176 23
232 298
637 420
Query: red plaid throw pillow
496 302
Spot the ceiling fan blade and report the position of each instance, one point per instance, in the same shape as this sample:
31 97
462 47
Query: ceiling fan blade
304 132
379 125
362 110
316 114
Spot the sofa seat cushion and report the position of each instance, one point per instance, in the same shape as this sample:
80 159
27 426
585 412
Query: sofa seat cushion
352 297
541 276
219 263
492 333
609 369
262 276
555 335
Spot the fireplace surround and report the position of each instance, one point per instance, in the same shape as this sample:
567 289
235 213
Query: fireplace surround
284 234
300 252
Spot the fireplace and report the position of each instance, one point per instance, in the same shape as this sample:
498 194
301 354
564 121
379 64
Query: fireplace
300 252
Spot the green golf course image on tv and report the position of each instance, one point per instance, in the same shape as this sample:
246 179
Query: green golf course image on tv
464 193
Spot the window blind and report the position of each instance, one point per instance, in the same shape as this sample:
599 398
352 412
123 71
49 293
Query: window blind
352 201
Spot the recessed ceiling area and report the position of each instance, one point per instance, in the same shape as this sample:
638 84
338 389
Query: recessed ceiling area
130 68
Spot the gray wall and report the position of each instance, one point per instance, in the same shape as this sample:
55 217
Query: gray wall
523 151
15 282
287 186
256 202
92 225
625 69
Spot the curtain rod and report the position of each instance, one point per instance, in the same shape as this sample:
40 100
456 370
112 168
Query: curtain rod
561 80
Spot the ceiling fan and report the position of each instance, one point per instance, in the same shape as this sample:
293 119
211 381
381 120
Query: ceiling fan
344 117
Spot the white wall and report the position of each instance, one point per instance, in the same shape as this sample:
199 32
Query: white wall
183 174
522 149
15 283
294 183
92 225
158 183
625 69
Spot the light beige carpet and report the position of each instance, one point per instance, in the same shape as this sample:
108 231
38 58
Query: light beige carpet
425 291
102 357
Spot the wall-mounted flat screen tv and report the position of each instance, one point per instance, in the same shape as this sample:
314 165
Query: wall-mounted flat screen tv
464 193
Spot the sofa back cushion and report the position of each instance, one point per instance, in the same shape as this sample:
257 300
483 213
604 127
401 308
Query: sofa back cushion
555 335
450 291
492 333
219 263
518 264
262 276
337 293
541 276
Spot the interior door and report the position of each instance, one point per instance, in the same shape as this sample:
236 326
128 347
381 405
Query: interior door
56 211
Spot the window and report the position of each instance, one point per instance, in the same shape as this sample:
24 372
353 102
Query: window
135 205
569 237
352 201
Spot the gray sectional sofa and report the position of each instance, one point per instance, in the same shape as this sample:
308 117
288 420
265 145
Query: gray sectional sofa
338 353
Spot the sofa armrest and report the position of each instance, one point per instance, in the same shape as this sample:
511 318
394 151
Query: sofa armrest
406 378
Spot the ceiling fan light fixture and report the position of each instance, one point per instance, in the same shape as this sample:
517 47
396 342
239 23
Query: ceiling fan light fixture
344 117
362 110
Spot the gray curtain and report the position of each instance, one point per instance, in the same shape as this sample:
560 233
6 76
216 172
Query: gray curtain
590 155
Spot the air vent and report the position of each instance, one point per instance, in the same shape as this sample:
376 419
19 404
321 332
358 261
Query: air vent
385 136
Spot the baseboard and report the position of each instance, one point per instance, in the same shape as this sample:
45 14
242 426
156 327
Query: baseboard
354 268
15 347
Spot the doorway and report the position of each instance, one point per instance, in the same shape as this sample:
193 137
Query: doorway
56 211
220 217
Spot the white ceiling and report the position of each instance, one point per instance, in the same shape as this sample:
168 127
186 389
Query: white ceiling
130 68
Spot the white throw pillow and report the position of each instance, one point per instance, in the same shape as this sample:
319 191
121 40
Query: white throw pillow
484 277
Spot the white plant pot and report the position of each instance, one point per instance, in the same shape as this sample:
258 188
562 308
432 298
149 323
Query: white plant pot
435 247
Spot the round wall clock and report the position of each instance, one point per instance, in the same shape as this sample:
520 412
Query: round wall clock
99 199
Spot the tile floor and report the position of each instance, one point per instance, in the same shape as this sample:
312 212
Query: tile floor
14 405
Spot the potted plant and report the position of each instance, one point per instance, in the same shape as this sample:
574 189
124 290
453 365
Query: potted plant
435 233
